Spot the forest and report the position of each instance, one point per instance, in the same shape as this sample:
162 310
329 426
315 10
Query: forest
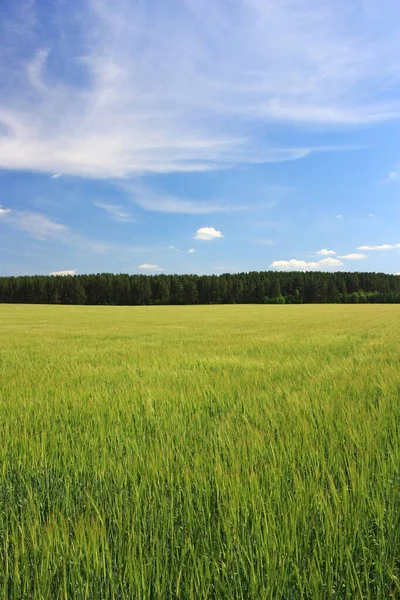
266 287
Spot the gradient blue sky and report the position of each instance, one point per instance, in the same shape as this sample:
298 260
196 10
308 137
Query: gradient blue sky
199 136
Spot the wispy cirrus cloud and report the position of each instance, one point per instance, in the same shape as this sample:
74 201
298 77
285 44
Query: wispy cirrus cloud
157 88
117 212
41 227
35 224
156 201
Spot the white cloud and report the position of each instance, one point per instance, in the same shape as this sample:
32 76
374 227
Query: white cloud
191 250
339 216
227 70
37 225
353 256
118 214
397 274
330 262
325 252
394 176
173 248
302 265
66 272
371 215
42 227
148 267
166 203
35 70
381 247
207 233
55 176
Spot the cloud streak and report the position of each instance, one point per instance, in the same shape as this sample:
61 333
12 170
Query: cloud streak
63 273
156 201
353 256
381 247
303 265
150 267
166 203
43 228
184 87
117 212
37 225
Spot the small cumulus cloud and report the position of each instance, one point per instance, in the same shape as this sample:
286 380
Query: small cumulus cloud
303 265
381 247
63 273
149 267
354 256
207 233
325 252
173 248
371 215
339 216
330 262
55 176
191 250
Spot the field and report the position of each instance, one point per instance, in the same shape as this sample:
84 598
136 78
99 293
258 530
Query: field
216 452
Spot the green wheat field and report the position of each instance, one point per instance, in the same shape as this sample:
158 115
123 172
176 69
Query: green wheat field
203 452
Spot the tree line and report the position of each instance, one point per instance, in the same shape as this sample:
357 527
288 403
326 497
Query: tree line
267 287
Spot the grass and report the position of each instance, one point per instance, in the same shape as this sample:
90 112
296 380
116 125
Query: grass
219 452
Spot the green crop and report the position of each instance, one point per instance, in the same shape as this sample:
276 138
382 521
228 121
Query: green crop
209 452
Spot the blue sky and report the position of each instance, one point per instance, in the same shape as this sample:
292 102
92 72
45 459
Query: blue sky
199 136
